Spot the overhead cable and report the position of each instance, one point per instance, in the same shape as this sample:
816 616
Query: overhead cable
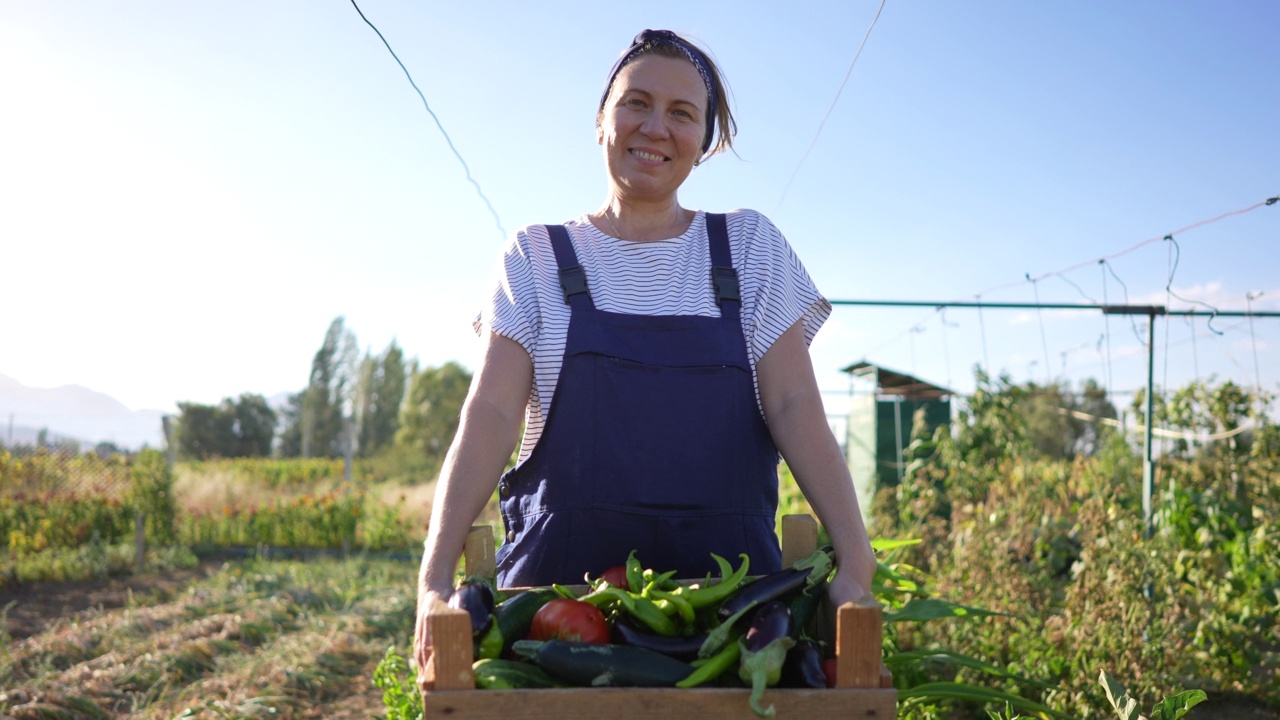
1148 241
497 221
833 104
1107 269
1044 342
1176 255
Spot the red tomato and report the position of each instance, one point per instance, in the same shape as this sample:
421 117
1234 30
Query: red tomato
565 619
829 667
616 576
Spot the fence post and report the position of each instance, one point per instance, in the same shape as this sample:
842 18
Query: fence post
140 539
348 447
166 423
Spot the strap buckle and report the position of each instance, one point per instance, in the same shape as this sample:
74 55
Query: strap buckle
725 280
573 281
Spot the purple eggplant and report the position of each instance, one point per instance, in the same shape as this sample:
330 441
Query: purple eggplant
766 589
476 597
803 667
764 651
769 623
680 648
779 585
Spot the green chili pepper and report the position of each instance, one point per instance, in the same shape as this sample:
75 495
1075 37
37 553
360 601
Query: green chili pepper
722 634
644 610
564 591
712 594
635 573
639 607
654 581
713 667
677 600
725 568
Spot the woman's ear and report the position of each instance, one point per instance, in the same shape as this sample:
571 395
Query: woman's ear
599 134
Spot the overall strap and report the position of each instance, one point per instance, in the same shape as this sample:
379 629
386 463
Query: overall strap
573 280
723 277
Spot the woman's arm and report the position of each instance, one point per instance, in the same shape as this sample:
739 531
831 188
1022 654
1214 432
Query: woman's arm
798 423
487 433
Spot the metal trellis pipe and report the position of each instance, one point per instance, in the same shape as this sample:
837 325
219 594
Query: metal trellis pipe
1151 311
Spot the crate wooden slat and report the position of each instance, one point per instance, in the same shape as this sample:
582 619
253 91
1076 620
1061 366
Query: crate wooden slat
651 703
864 686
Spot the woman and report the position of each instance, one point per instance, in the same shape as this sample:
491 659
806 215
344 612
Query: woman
658 357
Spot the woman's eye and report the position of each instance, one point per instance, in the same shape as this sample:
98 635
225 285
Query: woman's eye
635 103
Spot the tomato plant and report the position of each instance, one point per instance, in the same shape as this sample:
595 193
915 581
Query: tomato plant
565 619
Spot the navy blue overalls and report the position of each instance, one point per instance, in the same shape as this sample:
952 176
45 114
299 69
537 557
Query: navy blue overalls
654 442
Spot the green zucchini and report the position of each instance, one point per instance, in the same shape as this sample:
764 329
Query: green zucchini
515 614
497 674
605 665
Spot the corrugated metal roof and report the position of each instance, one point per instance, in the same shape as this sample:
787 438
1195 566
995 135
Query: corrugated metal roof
892 382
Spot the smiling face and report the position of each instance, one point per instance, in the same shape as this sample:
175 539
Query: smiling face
652 127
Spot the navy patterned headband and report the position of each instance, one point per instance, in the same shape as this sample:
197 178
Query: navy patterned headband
653 38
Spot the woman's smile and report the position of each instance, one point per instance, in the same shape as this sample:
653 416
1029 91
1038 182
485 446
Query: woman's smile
653 127
645 155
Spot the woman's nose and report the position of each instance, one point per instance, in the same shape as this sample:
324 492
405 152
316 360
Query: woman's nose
655 126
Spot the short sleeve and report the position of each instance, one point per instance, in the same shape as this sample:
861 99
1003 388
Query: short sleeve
777 289
512 308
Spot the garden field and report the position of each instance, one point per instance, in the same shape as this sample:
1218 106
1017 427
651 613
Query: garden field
1016 582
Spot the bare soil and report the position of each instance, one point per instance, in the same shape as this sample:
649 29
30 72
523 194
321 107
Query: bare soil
31 608
1233 706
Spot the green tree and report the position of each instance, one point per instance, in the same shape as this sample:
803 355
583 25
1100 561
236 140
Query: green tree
239 428
1093 401
315 416
380 395
1002 419
254 426
204 431
431 413
291 435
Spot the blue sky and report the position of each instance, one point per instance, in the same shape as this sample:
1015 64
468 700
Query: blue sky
190 192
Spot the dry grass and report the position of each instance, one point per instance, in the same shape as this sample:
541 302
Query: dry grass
258 639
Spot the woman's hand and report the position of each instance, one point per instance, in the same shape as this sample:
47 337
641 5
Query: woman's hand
843 588
422 633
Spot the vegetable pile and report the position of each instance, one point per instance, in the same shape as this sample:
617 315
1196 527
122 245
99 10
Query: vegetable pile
636 627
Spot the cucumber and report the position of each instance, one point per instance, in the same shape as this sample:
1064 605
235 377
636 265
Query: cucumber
515 614
607 665
497 674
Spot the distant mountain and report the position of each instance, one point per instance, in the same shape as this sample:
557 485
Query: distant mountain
74 412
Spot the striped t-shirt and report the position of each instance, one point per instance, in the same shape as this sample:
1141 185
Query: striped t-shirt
662 277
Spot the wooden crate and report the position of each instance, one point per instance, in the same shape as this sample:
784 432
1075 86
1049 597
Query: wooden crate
864 687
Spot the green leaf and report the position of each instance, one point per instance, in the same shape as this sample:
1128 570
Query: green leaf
970 693
1175 706
907 659
887 544
923 609
1125 706
887 577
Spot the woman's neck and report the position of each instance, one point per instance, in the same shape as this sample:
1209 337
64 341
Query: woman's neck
643 221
